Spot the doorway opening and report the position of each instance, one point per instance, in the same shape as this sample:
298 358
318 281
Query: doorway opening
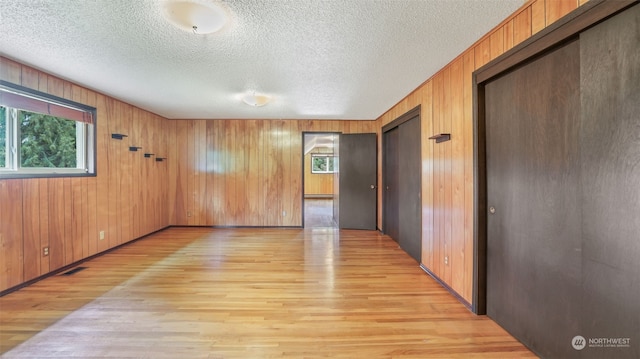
320 186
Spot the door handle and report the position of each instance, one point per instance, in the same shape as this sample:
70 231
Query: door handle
373 186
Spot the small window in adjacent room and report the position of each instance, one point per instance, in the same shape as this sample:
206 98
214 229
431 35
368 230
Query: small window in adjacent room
322 163
43 135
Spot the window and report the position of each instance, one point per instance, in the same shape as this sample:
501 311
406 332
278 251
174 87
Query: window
322 164
42 135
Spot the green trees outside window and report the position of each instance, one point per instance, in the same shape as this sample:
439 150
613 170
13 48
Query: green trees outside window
46 141
322 164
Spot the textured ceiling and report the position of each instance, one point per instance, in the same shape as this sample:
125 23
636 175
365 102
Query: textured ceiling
319 59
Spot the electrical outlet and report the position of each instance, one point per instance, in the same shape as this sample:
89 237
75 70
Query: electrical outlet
446 260
101 235
45 251
284 213
188 214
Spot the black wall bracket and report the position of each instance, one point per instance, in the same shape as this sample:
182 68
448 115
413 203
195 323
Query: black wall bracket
441 137
118 136
134 148
160 159
147 155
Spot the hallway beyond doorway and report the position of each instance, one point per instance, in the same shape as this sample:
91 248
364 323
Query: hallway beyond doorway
318 213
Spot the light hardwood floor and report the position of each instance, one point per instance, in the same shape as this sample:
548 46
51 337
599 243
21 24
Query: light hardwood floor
248 293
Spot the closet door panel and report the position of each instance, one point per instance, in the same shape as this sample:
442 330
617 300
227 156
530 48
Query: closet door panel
533 227
610 82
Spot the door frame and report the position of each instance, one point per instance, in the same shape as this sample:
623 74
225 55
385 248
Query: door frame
563 30
304 133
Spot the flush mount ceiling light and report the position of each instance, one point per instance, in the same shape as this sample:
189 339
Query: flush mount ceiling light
256 100
196 17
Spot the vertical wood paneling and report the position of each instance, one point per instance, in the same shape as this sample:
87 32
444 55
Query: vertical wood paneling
456 260
136 198
89 98
43 215
522 26
210 166
164 199
448 175
69 239
289 182
468 68
11 234
56 230
497 43
438 183
31 228
10 71
200 180
78 208
104 157
538 17
269 189
255 201
128 160
252 169
183 167
426 118
242 170
67 214
483 52
172 167
508 35
220 179
30 77
55 86
297 185
192 174
272 204
111 234
559 8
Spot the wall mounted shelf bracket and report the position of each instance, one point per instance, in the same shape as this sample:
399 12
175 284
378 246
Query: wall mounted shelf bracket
441 137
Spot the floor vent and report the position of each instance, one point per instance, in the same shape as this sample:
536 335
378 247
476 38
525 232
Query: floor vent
74 270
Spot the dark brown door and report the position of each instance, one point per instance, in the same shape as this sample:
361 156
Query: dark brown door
410 172
357 197
533 225
391 180
610 186
563 195
402 183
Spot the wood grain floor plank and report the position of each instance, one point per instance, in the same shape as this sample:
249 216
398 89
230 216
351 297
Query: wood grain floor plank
248 293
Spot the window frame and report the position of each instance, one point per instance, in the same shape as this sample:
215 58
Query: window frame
327 156
86 151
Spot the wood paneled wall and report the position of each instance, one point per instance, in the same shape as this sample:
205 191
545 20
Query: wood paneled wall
127 199
242 172
447 168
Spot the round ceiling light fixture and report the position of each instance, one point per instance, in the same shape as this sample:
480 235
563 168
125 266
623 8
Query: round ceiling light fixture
256 100
196 17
